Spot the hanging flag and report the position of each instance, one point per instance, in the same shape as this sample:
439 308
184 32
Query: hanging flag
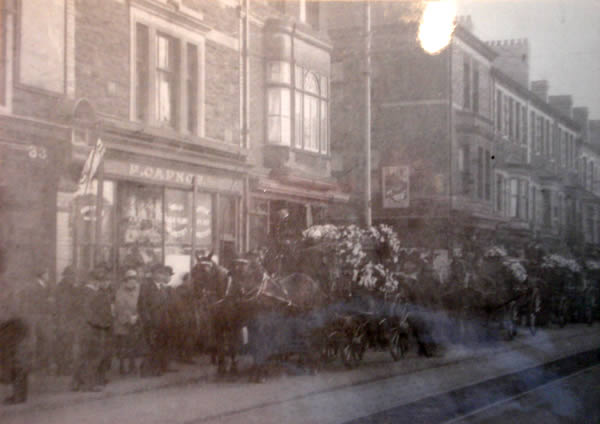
90 167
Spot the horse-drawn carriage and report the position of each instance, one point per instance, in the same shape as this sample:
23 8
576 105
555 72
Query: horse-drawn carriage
560 279
490 298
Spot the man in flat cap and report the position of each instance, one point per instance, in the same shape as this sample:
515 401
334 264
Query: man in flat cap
152 308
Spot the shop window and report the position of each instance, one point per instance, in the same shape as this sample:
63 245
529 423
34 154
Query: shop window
140 225
168 69
88 249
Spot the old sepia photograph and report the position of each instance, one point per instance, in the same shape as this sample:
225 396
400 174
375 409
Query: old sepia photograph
299 211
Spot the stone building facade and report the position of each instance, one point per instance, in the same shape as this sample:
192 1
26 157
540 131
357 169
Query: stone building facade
214 116
484 153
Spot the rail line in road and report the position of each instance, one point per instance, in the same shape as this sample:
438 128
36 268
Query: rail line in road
458 404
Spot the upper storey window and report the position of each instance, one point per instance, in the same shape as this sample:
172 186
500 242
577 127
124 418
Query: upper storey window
167 75
307 92
42 44
306 11
6 49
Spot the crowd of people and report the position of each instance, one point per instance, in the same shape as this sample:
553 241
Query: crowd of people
80 326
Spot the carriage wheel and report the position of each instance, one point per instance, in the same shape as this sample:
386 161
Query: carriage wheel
329 352
398 346
351 356
353 350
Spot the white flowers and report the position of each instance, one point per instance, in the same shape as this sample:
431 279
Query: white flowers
495 251
516 268
558 261
354 246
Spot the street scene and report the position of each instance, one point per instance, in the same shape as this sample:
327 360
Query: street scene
296 211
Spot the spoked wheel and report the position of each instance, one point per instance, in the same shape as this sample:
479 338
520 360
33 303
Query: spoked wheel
329 351
354 349
351 355
398 345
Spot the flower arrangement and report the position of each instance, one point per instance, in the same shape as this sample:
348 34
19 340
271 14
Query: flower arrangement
495 252
559 261
516 268
354 246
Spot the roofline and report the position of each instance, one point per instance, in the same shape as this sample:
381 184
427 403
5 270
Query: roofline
479 45
531 96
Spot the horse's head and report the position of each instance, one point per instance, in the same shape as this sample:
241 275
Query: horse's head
204 273
247 273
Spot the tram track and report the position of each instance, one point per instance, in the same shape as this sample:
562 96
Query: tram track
457 404
529 350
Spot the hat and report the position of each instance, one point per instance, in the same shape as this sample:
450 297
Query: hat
69 271
131 273
98 273
159 268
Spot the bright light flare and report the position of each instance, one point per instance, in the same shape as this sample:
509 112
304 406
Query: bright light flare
437 25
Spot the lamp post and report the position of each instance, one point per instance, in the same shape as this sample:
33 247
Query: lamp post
367 73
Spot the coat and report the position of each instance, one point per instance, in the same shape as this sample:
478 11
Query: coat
152 304
126 308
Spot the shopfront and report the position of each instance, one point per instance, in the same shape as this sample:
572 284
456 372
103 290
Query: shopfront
148 213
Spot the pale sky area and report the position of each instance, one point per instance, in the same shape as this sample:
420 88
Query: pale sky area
564 41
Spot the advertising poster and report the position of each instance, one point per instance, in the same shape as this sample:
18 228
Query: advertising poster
395 186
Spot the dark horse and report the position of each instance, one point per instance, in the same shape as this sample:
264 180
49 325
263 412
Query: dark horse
213 287
281 314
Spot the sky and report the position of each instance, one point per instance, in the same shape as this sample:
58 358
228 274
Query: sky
564 41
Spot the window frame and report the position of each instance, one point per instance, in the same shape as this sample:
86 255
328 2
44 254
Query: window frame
295 82
7 56
184 37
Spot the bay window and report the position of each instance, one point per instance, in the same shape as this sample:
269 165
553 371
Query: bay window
310 99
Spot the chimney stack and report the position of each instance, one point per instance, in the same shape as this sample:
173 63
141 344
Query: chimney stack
540 89
562 103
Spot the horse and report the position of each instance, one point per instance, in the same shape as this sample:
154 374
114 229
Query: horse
213 286
283 315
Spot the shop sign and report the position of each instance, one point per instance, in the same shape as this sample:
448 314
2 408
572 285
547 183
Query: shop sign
172 176
395 186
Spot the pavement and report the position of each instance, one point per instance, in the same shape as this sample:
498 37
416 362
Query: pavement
50 392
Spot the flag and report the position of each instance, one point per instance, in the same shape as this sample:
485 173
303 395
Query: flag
90 167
